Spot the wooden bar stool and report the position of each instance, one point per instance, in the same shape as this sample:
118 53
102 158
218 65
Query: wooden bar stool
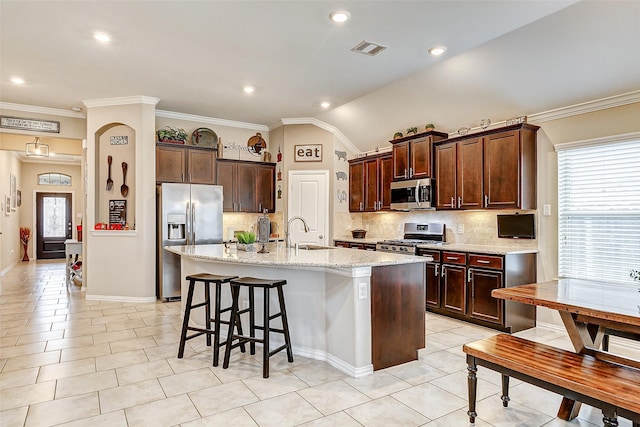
207 279
251 283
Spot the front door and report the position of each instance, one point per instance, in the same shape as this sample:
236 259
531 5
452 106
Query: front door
53 224
309 199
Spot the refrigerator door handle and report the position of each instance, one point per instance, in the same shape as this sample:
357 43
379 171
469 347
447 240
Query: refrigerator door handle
188 225
193 223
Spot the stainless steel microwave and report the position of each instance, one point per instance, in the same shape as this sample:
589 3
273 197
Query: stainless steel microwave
411 195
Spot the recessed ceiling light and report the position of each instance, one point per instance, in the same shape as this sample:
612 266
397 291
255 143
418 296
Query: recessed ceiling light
102 37
249 89
325 104
17 80
437 50
340 16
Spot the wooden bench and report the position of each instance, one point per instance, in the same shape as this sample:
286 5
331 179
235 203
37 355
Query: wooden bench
612 387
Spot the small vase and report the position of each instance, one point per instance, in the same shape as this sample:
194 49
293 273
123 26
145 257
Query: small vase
25 246
247 247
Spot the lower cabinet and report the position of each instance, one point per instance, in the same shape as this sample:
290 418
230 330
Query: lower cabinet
459 285
354 245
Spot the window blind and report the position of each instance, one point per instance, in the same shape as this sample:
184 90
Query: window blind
599 211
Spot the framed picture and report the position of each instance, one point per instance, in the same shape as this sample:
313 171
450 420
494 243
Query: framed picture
13 191
7 205
308 153
19 198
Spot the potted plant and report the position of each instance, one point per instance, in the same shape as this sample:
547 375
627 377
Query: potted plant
412 130
429 127
172 135
635 275
246 241
397 135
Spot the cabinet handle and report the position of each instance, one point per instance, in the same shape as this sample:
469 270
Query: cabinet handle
469 276
437 265
361 206
483 261
452 258
405 173
442 272
486 200
239 206
453 202
459 202
410 172
259 207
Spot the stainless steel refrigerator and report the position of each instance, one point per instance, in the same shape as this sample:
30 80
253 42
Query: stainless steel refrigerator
187 214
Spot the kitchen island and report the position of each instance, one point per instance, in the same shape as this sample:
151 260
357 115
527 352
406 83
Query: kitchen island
358 310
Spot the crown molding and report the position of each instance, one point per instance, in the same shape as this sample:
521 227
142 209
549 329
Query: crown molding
124 100
211 120
41 110
322 125
585 107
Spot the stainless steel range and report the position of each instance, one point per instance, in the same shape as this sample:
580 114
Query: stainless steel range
414 235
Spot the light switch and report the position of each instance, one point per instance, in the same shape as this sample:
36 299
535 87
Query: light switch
546 210
460 228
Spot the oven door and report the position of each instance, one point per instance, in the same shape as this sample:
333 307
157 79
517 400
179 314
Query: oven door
411 195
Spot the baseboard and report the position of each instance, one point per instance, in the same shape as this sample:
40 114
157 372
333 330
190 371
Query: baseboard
119 298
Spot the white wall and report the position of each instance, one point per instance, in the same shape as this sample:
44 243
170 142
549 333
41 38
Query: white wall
10 248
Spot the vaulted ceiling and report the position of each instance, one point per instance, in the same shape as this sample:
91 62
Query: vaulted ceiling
504 58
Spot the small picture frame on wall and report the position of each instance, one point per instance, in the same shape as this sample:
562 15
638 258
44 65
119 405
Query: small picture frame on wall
18 198
13 192
308 153
7 205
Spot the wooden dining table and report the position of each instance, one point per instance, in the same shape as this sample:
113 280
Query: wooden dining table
587 308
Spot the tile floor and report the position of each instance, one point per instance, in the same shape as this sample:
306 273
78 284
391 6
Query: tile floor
68 361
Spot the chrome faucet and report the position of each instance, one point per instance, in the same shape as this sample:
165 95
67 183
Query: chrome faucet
286 232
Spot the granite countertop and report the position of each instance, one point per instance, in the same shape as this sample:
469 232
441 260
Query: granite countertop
366 240
483 249
332 258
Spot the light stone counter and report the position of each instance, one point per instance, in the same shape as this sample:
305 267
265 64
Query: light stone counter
328 296
483 249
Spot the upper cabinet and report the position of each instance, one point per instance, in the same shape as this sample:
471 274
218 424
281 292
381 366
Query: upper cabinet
370 183
492 169
247 186
412 155
182 164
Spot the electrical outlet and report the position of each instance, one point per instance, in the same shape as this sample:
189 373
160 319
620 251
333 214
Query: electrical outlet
362 290
460 228
245 303
546 210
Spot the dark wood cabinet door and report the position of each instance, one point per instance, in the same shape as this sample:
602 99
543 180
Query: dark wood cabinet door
226 177
341 244
371 185
469 176
401 160
246 187
385 170
420 155
201 167
265 188
445 176
481 304
170 164
502 170
356 187
455 288
433 285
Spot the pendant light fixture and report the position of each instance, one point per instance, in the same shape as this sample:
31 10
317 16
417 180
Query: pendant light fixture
37 149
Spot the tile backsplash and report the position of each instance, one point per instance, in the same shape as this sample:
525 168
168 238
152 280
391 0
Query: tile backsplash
472 227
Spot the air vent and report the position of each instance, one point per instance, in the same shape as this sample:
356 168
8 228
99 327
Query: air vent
368 48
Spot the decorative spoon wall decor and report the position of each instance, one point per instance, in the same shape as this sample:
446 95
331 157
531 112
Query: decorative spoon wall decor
124 189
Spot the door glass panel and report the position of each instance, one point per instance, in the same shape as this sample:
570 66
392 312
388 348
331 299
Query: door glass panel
54 215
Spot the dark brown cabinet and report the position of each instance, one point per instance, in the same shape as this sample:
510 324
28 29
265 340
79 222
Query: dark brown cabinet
492 169
370 183
247 186
412 155
185 164
459 285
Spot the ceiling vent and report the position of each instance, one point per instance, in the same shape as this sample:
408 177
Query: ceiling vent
368 48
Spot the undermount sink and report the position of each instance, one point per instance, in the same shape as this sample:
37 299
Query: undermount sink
315 247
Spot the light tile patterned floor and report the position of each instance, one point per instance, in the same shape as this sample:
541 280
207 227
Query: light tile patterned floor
68 361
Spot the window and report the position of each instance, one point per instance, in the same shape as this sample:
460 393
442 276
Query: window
52 178
599 209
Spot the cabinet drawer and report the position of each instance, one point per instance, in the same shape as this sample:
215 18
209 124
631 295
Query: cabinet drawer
485 261
341 244
458 258
427 252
